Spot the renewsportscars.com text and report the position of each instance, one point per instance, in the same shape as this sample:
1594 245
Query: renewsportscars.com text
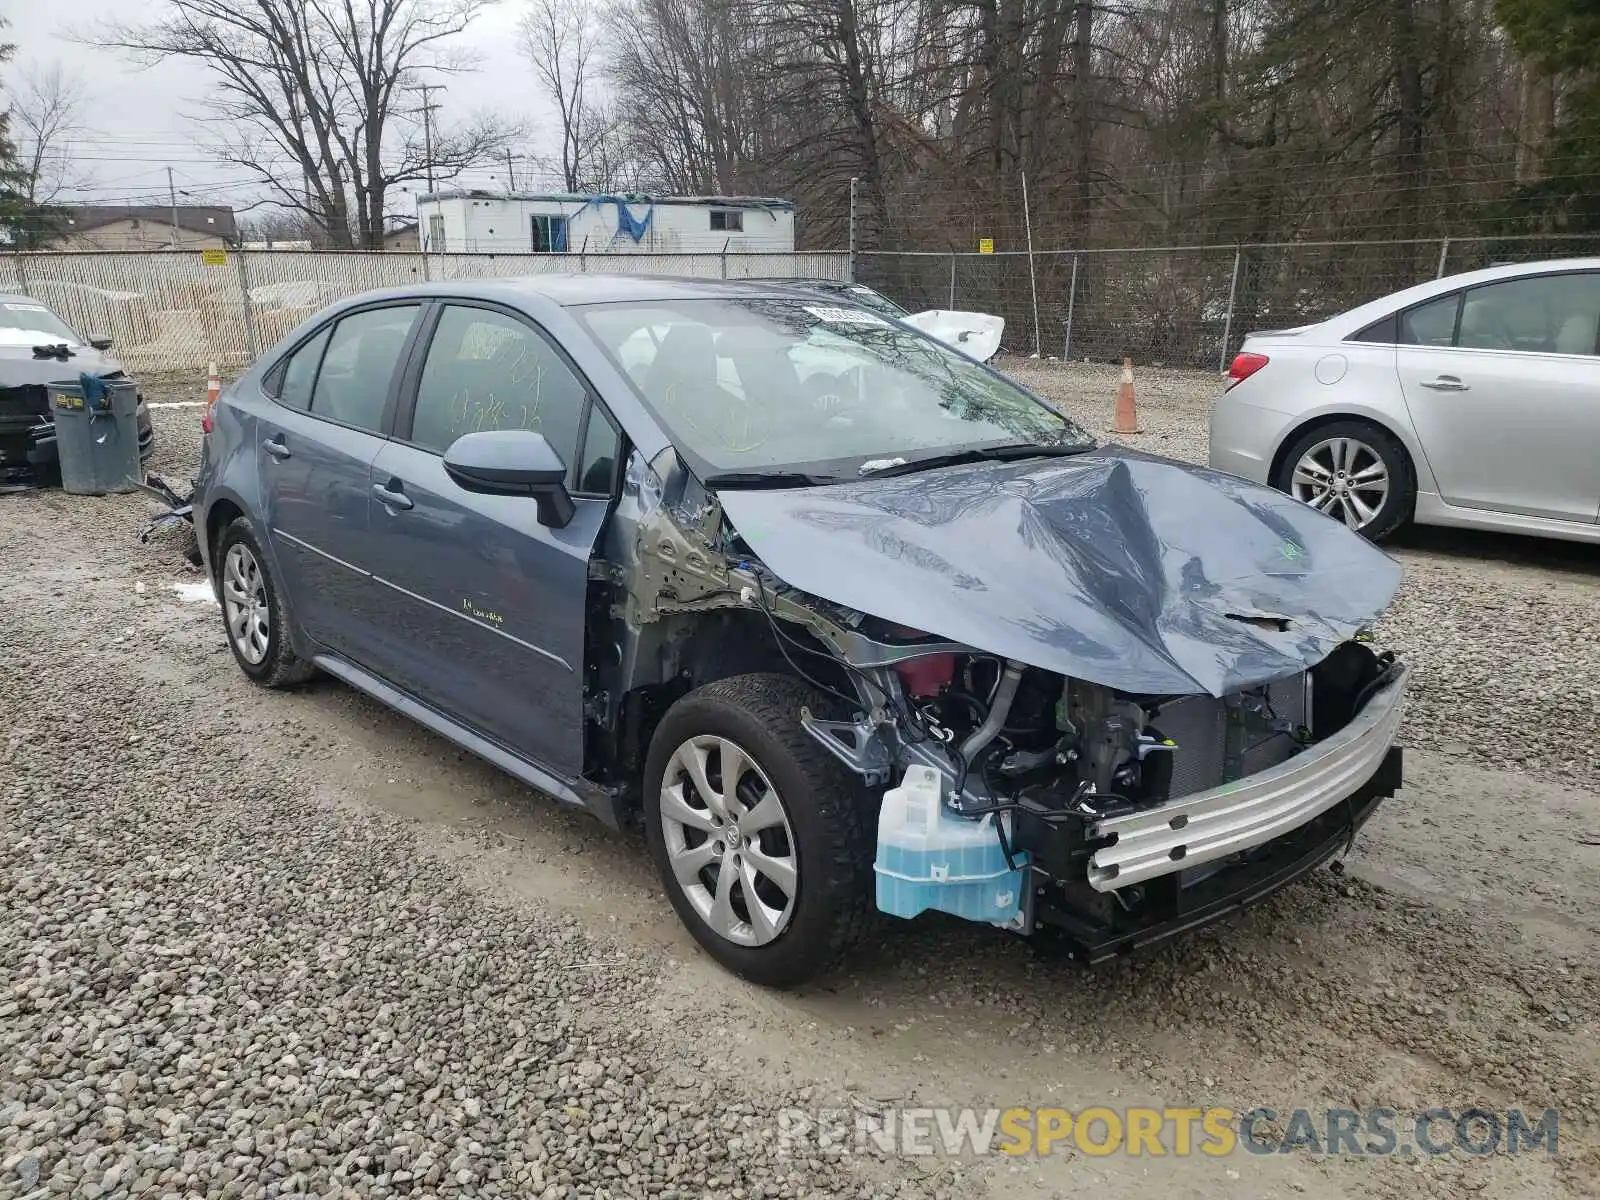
1179 1132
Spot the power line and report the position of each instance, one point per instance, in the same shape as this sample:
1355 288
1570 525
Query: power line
427 110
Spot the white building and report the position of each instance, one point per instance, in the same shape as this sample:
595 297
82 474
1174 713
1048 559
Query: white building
550 223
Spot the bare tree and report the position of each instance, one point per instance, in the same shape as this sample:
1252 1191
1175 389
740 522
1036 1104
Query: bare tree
312 96
610 159
560 39
279 226
691 74
47 112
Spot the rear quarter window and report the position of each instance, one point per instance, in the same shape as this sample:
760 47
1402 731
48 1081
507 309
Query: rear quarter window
1383 332
291 380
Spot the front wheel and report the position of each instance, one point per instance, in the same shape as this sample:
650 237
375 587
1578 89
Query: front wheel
1353 471
759 835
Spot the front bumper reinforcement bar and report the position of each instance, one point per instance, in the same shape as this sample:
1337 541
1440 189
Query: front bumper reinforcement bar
1249 812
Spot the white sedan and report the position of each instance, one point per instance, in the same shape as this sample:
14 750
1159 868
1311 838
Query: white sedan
1472 400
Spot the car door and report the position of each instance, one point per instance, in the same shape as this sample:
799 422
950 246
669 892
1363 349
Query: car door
332 397
484 607
1502 382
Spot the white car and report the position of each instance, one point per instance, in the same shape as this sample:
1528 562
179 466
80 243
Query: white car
1472 400
975 334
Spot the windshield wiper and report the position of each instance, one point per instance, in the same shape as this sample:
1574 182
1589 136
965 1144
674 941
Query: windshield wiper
766 479
1008 452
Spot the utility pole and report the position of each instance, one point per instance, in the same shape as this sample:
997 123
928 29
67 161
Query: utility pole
511 172
427 110
172 194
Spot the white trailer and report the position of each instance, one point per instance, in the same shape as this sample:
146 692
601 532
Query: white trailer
554 223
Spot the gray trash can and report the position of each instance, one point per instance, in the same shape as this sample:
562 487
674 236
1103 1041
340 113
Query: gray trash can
97 435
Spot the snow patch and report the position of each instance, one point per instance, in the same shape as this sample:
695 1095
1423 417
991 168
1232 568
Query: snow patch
195 593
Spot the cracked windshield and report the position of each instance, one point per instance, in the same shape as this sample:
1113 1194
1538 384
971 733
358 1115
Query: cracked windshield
751 384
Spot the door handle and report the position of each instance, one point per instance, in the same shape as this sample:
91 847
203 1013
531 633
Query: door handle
1445 383
275 447
393 499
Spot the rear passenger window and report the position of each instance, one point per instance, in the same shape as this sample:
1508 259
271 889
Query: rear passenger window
486 371
300 372
1431 324
353 385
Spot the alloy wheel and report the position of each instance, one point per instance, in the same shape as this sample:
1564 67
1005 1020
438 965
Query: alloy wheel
728 840
244 602
1343 477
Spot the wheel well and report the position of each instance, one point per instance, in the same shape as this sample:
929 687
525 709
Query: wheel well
1326 419
714 647
218 518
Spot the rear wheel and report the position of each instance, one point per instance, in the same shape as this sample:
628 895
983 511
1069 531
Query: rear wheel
253 611
1353 471
759 835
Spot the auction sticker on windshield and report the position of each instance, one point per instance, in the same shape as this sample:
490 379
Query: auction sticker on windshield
845 316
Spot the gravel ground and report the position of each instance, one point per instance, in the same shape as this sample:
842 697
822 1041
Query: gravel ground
281 944
226 981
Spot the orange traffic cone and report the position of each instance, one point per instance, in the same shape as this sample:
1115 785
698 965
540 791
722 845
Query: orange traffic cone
213 390
1127 416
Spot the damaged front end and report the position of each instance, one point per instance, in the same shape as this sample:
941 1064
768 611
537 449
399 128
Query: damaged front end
1228 729
1114 818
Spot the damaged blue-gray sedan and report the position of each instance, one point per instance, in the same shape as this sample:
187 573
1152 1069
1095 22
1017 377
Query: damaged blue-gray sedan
841 617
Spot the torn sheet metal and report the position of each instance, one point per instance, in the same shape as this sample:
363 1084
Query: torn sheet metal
1118 568
180 509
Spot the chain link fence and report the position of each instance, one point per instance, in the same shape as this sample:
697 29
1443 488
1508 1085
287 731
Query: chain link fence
169 311
1181 306
1177 306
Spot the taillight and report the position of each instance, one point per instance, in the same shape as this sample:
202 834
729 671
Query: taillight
206 423
1243 366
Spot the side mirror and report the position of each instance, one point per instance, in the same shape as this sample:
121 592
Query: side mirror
513 462
100 343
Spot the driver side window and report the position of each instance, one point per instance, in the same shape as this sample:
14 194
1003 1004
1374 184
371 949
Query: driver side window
488 371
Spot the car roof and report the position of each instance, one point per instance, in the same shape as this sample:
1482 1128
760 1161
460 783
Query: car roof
19 298
571 290
803 281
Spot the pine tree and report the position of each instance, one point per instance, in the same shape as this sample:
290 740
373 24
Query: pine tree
14 206
1560 39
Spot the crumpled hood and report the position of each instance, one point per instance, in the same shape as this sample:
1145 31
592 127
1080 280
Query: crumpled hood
1113 567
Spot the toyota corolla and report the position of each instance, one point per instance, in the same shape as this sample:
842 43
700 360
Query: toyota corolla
922 646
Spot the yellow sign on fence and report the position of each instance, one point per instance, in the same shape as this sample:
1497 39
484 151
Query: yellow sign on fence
214 256
985 245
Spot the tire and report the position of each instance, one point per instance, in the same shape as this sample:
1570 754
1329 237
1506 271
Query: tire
260 641
825 815
1363 449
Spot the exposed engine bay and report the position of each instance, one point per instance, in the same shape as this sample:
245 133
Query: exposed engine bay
1047 762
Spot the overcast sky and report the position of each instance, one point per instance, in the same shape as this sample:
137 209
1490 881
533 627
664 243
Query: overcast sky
136 117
